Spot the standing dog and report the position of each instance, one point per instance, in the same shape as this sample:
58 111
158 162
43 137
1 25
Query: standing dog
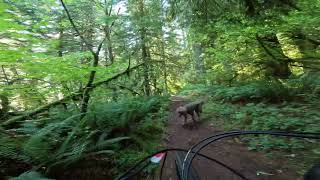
190 108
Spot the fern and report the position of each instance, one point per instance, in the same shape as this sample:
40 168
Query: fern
11 148
63 141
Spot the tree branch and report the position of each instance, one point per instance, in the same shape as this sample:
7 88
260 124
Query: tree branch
100 45
110 8
5 75
116 76
265 48
129 89
114 20
89 46
67 98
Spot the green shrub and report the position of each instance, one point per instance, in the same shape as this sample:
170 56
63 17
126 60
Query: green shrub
62 139
261 116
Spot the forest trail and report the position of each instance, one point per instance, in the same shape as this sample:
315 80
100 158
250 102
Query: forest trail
233 154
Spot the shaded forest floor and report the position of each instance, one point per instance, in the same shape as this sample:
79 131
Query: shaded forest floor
230 151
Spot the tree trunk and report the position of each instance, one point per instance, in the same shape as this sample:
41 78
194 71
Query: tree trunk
108 51
198 59
144 50
279 65
250 10
60 47
4 109
307 47
89 86
163 56
164 65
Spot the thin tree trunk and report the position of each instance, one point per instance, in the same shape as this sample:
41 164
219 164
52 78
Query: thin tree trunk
60 48
4 102
306 47
144 49
164 66
109 50
250 10
5 75
163 57
89 86
279 66
198 59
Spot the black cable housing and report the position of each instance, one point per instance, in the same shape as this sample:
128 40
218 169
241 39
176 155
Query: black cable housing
131 171
187 164
195 150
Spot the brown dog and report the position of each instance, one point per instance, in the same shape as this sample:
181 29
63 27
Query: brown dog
190 108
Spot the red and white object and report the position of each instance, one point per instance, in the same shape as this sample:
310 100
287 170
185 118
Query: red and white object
157 158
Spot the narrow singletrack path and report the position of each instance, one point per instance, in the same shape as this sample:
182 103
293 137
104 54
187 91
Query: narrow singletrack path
228 151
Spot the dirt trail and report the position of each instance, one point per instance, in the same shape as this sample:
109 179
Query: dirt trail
227 151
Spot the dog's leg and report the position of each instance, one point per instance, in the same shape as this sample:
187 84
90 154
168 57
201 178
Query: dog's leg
185 119
193 118
198 114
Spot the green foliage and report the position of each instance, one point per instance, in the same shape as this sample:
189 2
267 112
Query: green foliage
195 90
254 91
109 130
140 118
265 105
11 148
65 150
302 117
123 113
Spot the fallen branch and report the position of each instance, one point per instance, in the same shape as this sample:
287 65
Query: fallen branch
129 89
67 98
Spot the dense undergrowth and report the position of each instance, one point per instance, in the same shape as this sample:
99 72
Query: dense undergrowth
115 134
271 105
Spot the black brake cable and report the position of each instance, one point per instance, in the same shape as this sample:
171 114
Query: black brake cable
219 134
138 170
186 167
131 171
125 175
163 163
187 161
203 140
